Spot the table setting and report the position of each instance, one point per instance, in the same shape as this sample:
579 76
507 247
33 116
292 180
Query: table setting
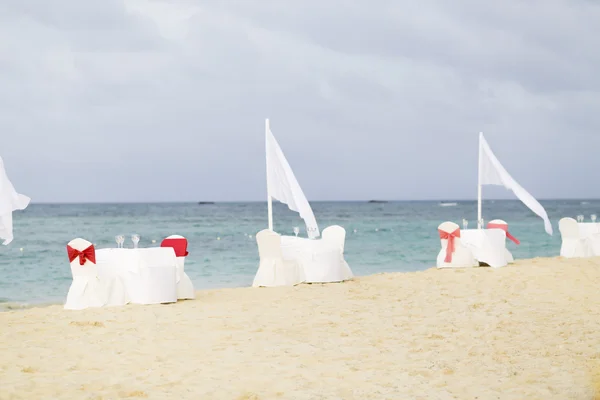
149 273
487 245
590 233
321 260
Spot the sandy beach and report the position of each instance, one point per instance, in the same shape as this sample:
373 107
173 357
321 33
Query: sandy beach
527 331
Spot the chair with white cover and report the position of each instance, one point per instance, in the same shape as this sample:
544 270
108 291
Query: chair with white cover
273 270
453 253
87 288
185 288
335 236
573 245
503 225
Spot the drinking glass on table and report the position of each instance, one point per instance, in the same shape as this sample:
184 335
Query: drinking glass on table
580 218
135 238
593 217
296 230
465 224
120 239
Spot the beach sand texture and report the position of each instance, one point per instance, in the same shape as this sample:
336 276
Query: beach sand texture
527 331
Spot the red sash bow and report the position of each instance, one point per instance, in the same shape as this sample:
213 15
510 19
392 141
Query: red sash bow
451 245
504 227
178 244
87 254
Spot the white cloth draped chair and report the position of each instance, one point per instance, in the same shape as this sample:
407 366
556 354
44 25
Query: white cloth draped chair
453 253
573 244
500 224
185 287
335 236
88 289
273 270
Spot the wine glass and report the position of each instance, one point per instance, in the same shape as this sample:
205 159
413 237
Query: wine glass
135 238
481 226
465 224
296 230
593 217
120 239
580 218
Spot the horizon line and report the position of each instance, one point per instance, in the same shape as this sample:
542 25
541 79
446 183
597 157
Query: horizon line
209 202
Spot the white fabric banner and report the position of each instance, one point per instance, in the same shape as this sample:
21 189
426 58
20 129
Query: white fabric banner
283 186
10 201
493 173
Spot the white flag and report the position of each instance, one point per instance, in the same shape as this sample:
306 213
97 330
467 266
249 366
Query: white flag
491 172
10 201
283 186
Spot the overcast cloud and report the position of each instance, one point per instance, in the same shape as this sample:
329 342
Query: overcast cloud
142 100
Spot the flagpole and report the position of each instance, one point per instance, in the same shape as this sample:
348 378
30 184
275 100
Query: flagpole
269 198
479 185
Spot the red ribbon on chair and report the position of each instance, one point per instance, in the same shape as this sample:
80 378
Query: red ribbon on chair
178 244
504 227
88 253
451 246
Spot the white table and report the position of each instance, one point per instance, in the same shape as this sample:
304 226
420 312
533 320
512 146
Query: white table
487 245
149 274
587 229
590 231
320 260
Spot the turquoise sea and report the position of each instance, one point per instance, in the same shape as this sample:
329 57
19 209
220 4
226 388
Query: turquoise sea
381 237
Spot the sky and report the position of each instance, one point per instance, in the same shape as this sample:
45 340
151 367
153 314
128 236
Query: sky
150 100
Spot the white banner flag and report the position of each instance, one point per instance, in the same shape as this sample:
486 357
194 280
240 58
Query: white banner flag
283 186
491 172
10 201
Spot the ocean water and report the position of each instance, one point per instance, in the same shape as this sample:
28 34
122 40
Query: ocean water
381 237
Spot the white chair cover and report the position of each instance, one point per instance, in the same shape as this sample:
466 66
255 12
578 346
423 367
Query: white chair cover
461 257
573 245
273 270
334 236
509 257
88 289
185 287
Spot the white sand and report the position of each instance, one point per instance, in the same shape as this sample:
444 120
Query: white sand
528 331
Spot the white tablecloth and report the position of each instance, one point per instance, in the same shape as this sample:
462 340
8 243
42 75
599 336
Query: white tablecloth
117 261
487 245
587 229
590 232
321 261
149 273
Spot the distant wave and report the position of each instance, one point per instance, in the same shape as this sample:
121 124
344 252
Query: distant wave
11 305
585 202
448 204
